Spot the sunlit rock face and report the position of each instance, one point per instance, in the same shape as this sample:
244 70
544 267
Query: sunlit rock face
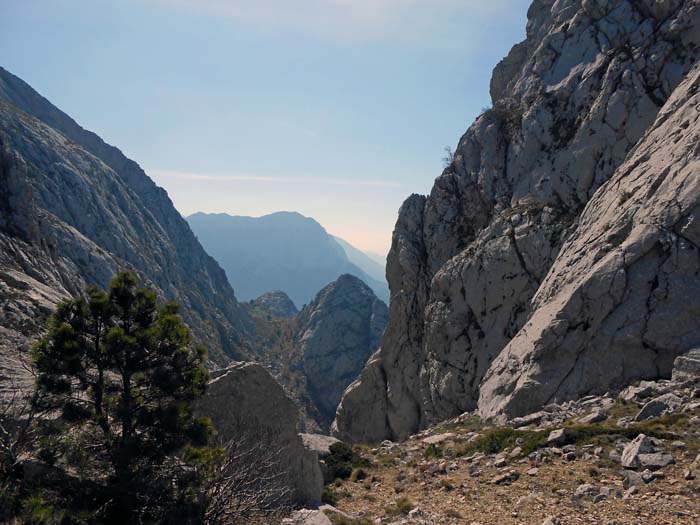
569 105
74 211
622 300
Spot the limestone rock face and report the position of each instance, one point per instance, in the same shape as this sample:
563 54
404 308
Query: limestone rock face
74 211
570 103
335 335
277 304
245 398
622 300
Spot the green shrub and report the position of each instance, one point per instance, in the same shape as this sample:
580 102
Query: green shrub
342 461
329 496
433 451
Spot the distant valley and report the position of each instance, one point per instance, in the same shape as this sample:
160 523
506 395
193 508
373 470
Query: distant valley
283 251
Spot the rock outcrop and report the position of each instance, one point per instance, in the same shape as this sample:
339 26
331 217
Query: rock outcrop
243 399
74 211
335 335
622 300
471 265
276 304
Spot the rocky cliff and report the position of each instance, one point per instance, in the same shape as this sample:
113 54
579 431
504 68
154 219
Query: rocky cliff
622 300
569 105
335 335
74 210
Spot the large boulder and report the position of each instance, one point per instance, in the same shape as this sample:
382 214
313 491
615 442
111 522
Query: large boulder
244 400
471 264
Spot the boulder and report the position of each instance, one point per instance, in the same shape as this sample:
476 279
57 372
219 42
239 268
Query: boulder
686 367
659 406
245 401
640 445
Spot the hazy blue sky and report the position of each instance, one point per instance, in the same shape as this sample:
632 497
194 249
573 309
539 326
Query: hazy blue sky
338 109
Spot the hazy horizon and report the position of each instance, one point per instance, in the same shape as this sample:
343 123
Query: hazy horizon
335 109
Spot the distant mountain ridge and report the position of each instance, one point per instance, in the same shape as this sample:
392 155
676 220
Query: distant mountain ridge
281 251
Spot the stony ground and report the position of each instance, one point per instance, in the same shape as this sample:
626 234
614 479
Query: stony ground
583 462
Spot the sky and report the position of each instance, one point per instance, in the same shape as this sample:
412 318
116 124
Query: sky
337 109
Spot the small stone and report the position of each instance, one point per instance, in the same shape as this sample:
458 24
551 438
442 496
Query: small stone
632 479
630 492
640 445
688 475
594 417
551 521
500 463
599 498
533 471
570 456
586 490
557 437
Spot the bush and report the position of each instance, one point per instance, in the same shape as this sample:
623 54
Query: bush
342 461
433 451
401 507
329 496
358 474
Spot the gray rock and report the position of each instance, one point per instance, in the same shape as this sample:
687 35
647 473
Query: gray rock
594 417
319 443
632 479
276 304
568 346
586 490
557 437
640 445
244 401
335 335
686 367
659 406
472 268
656 460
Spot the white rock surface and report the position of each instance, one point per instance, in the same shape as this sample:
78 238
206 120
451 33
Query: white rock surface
471 264
622 300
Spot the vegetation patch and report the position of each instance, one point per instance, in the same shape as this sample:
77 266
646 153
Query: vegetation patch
401 507
343 460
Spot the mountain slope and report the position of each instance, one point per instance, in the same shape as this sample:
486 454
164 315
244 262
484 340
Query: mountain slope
570 103
75 211
281 251
363 261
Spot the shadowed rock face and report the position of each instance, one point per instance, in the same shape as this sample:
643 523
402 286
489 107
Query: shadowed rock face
335 335
74 211
570 103
245 402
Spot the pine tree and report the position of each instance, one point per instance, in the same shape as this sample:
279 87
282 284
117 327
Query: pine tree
120 375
